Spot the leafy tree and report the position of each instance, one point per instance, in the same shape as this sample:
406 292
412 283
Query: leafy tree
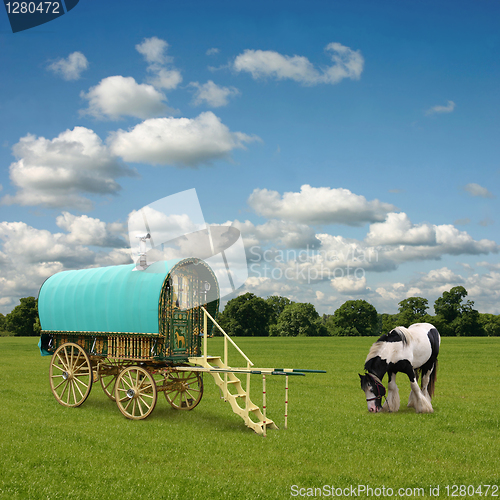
490 324
277 304
21 319
389 321
448 306
246 315
454 317
354 317
412 310
299 319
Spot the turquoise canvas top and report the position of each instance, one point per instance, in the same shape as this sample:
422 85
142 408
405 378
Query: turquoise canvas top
106 299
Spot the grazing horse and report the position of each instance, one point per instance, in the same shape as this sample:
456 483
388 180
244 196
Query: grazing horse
413 351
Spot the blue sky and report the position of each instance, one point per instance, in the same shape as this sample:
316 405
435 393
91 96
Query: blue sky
337 136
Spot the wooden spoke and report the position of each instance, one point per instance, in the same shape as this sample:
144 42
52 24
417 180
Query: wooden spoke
70 375
109 373
183 390
135 392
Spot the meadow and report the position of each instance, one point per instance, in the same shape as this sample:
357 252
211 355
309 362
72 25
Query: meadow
48 451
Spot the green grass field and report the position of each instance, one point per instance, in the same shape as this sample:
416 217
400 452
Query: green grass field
48 451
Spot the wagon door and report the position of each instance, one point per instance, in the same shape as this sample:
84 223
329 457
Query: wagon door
180 313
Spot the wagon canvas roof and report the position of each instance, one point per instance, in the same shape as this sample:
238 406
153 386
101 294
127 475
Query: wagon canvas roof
106 299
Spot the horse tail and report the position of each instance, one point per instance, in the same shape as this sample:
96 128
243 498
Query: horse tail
433 378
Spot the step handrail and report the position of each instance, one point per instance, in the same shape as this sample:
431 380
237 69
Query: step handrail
226 337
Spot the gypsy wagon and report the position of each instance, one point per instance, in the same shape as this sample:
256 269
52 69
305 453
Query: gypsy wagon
141 332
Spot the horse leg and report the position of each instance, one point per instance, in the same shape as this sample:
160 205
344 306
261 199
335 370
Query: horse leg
392 400
426 377
417 399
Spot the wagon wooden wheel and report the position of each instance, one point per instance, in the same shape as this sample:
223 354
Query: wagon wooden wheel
108 375
135 392
183 390
70 375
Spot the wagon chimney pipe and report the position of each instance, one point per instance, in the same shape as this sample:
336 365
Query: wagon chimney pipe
142 251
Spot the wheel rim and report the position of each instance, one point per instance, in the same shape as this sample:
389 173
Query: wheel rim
135 392
108 375
70 375
184 390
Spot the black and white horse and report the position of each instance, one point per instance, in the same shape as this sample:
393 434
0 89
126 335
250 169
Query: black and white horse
412 351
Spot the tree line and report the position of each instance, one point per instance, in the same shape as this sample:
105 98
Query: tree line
251 316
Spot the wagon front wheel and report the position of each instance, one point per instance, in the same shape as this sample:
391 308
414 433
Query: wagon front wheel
135 392
70 375
184 389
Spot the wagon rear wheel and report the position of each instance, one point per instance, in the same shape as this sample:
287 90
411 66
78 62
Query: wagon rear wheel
135 392
109 374
70 375
184 390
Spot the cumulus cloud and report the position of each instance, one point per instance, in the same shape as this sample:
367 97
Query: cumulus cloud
483 289
212 51
397 229
277 232
184 142
404 241
349 285
212 94
54 173
85 230
28 255
441 109
70 68
164 75
348 63
154 50
476 190
118 96
319 206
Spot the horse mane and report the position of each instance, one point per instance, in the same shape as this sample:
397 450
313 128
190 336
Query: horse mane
398 334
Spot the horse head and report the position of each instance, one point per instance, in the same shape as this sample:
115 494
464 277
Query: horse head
374 391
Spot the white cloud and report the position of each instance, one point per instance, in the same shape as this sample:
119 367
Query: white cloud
483 289
118 96
212 94
26 245
404 241
212 51
397 229
154 51
349 285
29 255
70 68
455 242
442 276
54 173
85 230
319 206
441 109
182 142
163 78
476 190
266 63
276 232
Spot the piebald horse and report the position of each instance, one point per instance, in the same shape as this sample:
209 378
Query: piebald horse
413 351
